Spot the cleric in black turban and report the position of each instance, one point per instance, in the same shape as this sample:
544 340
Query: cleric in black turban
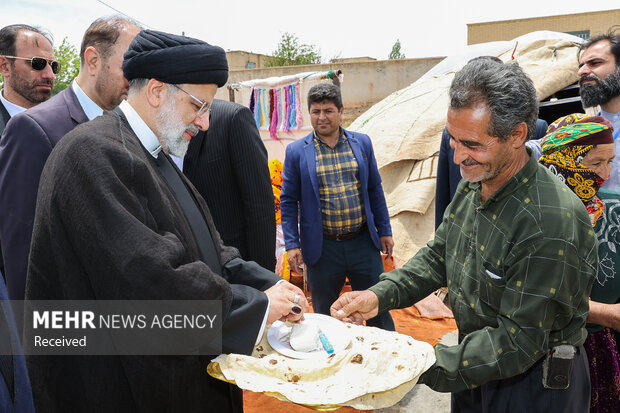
117 220
174 59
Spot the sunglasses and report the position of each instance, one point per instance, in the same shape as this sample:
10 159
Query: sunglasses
39 63
205 107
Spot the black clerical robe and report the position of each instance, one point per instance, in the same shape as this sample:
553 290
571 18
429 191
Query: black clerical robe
107 226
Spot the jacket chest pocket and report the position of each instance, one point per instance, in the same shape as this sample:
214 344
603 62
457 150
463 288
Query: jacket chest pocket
492 285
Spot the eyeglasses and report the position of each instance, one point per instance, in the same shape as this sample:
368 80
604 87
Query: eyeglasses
205 107
39 63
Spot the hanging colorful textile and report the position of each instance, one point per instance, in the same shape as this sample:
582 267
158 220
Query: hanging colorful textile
258 113
286 125
252 100
275 118
298 116
266 102
276 101
293 112
280 100
271 104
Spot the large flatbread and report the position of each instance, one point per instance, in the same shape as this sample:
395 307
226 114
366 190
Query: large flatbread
376 370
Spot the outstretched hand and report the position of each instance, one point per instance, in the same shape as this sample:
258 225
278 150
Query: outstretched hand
355 306
281 297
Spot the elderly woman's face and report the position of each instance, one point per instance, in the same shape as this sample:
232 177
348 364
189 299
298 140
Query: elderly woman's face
599 159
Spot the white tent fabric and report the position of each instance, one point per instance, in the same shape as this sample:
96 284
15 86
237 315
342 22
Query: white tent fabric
406 126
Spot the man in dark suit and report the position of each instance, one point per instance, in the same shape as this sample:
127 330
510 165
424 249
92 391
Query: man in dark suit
27 81
30 136
228 166
120 221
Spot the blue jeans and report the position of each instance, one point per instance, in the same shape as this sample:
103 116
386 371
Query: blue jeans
359 260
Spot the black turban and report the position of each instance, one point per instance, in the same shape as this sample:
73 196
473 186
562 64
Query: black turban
174 59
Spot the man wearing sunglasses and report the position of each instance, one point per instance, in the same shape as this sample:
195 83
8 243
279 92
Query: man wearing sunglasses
27 81
28 78
30 136
120 221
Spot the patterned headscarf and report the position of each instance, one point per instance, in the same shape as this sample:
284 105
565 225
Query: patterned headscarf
275 170
567 142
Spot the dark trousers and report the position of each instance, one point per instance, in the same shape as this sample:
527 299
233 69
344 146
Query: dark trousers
359 260
525 393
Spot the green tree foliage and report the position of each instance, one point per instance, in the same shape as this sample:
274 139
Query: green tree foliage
290 52
69 59
395 53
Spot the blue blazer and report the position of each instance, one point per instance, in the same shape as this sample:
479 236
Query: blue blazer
25 145
300 195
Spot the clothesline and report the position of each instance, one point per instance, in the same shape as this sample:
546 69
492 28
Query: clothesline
279 81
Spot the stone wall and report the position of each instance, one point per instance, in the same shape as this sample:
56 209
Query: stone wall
365 83
592 23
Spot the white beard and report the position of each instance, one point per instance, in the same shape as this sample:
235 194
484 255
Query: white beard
170 127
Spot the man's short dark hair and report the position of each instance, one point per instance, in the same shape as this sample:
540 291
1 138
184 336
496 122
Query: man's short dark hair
103 34
8 37
612 36
325 91
506 90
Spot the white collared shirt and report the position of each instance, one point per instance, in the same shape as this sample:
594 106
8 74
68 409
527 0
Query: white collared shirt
613 118
90 108
177 160
147 137
10 107
145 134
613 183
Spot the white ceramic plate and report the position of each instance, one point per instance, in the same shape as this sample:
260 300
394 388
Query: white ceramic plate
336 331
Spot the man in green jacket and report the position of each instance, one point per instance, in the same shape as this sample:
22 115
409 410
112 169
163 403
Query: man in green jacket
517 252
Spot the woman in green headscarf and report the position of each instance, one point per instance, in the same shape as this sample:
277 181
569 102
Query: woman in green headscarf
578 149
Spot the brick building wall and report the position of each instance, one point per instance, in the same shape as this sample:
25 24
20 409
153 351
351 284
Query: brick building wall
591 23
